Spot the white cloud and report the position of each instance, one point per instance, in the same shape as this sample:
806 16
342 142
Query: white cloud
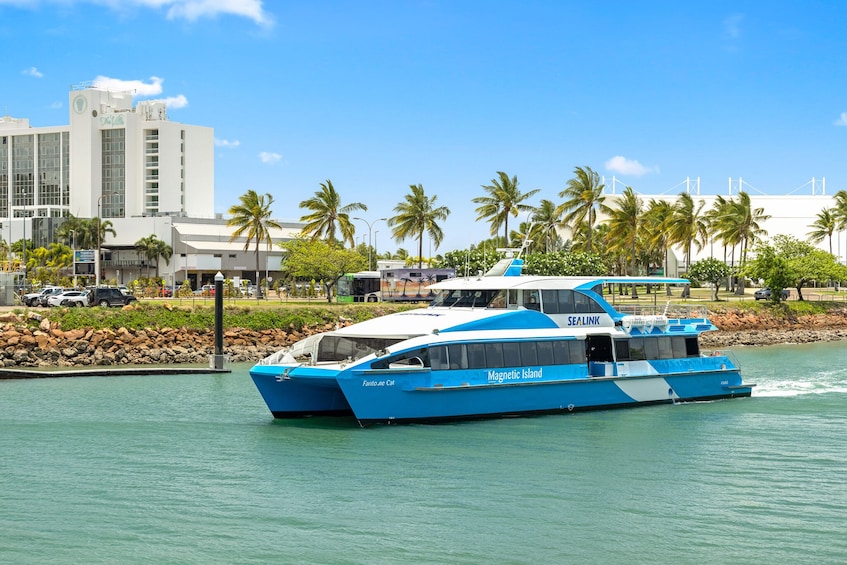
624 166
732 26
190 10
32 72
139 88
57 106
227 143
842 119
193 10
179 101
269 158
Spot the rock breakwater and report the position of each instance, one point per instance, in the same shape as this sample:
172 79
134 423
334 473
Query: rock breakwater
35 341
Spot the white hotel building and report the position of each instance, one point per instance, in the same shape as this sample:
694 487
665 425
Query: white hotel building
135 168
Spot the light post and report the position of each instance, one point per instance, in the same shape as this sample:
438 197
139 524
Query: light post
376 250
73 253
370 226
97 259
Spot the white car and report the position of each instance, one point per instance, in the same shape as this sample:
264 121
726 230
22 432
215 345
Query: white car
69 298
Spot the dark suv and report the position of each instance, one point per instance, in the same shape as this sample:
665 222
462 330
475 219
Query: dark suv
109 297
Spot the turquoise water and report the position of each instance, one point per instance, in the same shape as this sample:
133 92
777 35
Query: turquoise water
193 469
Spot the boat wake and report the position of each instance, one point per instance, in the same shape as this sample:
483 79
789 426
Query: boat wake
826 382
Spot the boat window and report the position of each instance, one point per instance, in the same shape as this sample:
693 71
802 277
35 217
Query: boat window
457 356
530 299
678 346
340 348
494 355
550 299
566 302
513 297
545 353
464 298
622 349
437 359
585 304
665 348
651 349
529 353
411 359
636 349
476 356
512 354
499 300
561 352
577 351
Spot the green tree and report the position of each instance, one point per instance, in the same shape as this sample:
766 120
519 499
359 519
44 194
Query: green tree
712 271
318 260
252 220
418 215
504 199
687 227
545 222
584 198
773 269
625 221
657 218
566 264
825 224
329 217
152 248
804 263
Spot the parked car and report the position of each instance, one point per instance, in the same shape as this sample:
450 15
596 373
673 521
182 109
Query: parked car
55 291
32 298
104 296
69 298
765 294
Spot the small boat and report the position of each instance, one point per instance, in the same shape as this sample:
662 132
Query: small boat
502 344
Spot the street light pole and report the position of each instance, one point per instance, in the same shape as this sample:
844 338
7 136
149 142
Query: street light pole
370 226
97 259
73 253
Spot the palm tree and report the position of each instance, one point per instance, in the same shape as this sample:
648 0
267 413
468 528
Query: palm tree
417 215
328 215
504 199
583 196
252 218
746 228
688 225
840 209
546 219
625 226
656 223
823 227
152 248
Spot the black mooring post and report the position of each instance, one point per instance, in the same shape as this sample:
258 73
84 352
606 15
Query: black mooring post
219 321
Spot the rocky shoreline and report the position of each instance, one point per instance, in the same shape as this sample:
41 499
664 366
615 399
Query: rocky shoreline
37 342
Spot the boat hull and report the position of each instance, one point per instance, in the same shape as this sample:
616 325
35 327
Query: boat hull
396 403
299 397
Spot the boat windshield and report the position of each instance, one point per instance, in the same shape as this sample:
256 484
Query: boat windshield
464 298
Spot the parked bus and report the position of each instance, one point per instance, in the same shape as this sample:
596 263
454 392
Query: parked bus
406 284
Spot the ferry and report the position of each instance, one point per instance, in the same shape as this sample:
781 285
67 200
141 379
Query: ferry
498 345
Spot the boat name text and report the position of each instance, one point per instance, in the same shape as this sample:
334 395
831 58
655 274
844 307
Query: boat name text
583 320
387 382
514 375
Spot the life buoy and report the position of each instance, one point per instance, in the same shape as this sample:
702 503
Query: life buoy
716 353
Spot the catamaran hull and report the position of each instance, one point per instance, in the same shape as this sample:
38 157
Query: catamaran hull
298 398
398 404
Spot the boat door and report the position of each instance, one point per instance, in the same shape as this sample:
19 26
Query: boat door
598 351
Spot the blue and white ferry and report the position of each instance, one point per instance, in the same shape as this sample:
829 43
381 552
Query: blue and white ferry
497 345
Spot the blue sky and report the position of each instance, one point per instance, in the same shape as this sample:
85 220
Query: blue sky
377 95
